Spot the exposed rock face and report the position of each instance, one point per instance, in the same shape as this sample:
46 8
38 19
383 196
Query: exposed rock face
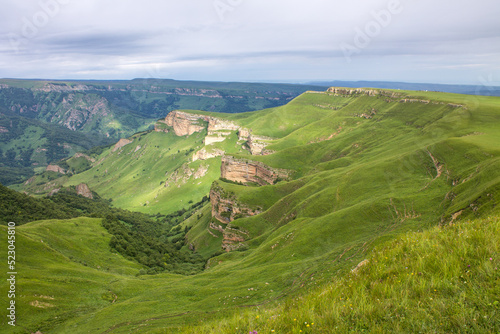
243 170
83 189
257 144
415 101
185 124
200 172
339 91
216 227
55 168
216 137
216 124
225 207
3 129
122 142
352 91
233 239
203 154
81 111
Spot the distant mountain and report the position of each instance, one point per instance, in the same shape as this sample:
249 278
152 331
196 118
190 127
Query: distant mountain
459 89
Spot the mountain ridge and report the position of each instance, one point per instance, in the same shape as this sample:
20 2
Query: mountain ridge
365 167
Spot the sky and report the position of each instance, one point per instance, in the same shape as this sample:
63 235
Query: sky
431 41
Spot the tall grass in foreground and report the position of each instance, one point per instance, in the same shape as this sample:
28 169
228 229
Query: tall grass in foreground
444 280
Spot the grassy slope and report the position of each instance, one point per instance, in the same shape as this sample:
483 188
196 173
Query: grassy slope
443 280
409 167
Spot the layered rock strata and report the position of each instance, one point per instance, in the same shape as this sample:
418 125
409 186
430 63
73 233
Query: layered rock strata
244 171
225 207
185 124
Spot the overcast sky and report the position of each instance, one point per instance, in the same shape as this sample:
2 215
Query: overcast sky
437 41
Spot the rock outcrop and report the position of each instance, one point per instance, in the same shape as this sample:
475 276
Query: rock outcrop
352 91
55 168
257 144
122 142
215 137
203 154
233 239
243 170
84 190
340 91
217 124
226 208
185 124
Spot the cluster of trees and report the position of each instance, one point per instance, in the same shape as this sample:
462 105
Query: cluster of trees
156 253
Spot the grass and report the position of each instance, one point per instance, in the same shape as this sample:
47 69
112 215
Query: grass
443 280
357 184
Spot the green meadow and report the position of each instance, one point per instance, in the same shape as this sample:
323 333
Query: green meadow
411 186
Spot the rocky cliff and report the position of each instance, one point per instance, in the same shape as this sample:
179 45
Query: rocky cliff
340 91
205 154
185 124
244 171
226 208
233 238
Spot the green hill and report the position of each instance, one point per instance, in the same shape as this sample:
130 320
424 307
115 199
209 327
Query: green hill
303 194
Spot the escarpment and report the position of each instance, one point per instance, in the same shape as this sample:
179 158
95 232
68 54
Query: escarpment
205 154
185 124
226 208
244 171
340 91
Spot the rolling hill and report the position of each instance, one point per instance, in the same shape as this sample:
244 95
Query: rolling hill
299 196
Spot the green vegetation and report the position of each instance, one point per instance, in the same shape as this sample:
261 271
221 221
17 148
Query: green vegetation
45 121
135 235
443 280
29 144
367 172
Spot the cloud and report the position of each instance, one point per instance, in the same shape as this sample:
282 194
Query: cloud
243 39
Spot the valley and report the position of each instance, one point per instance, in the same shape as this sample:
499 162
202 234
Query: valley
299 197
44 121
